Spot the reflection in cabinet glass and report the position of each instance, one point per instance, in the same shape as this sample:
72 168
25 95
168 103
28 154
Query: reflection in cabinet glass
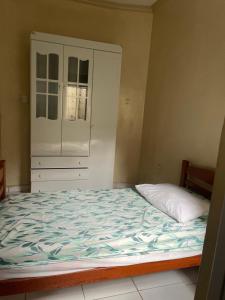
76 91
83 71
41 71
41 86
70 103
53 66
72 69
40 106
52 107
75 106
82 109
53 88
82 91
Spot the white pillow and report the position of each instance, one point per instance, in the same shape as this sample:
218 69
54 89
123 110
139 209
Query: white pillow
175 201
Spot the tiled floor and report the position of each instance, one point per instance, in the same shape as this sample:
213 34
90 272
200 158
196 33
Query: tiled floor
172 285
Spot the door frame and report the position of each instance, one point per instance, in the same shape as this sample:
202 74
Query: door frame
212 271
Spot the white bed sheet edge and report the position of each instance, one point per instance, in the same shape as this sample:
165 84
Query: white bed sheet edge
78 266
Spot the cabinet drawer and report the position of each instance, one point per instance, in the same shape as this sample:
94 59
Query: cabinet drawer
57 185
59 162
59 174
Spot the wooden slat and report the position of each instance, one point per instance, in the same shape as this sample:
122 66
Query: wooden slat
197 179
184 169
27 285
205 175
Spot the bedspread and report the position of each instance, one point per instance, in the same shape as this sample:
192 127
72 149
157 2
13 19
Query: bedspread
44 228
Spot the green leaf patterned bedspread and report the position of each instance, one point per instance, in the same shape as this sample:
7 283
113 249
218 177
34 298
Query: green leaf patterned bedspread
42 228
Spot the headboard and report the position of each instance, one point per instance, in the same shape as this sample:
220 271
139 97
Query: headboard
197 179
2 179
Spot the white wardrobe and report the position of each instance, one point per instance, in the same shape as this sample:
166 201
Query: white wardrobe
74 96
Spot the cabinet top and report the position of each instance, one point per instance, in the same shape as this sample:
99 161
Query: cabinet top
71 41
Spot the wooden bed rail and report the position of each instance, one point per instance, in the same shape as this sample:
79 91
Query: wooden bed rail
28 285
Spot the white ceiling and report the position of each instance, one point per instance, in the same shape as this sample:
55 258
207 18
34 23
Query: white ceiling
133 2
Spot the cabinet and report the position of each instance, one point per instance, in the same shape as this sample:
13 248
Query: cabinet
74 95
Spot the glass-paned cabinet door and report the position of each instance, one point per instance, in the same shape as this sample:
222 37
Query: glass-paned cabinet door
78 67
47 84
46 97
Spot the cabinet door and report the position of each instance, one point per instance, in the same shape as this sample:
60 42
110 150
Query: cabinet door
46 98
78 65
106 82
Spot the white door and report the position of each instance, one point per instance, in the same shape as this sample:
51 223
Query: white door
78 65
46 98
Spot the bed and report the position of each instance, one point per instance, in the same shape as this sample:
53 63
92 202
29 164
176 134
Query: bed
77 243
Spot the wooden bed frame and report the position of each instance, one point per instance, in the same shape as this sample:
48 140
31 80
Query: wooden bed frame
196 178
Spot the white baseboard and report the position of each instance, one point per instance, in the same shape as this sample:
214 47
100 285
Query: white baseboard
26 187
122 185
18 189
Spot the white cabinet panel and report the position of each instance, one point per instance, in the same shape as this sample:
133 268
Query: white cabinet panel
46 98
59 162
59 174
106 82
78 65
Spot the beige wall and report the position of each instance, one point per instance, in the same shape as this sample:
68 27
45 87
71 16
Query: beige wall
132 30
185 101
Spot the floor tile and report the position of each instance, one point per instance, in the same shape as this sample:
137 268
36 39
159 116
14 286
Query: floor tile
15 297
108 288
73 293
172 292
165 278
128 296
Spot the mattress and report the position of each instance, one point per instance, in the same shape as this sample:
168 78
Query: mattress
42 234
